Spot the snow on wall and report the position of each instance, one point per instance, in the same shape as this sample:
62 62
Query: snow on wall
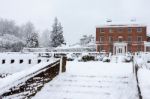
16 78
16 66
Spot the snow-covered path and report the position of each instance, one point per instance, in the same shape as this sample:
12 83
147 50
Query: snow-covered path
92 80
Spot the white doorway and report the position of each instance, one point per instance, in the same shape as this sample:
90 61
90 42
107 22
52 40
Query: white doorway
120 48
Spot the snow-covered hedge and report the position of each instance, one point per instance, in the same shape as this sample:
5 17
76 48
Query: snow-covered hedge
11 43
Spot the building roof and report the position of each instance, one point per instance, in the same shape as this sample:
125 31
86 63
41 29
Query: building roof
120 25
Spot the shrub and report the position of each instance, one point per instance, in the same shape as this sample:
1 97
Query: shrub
106 59
128 59
88 58
70 57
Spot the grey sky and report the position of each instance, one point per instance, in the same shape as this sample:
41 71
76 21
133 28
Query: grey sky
78 17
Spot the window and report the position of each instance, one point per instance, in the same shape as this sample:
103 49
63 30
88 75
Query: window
101 47
110 39
129 30
102 39
139 29
120 38
139 38
120 29
12 61
139 48
21 61
147 49
111 48
110 30
102 30
129 38
129 48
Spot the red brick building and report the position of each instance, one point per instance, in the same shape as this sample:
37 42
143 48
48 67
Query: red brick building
121 38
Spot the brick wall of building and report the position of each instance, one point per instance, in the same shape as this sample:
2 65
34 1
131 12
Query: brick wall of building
106 36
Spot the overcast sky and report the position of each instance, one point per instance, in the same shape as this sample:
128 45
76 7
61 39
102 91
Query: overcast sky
78 17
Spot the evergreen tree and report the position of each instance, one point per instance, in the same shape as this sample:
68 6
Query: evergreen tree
32 40
56 37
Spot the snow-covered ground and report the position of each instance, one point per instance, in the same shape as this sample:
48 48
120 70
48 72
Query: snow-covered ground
142 60
92 80
144 82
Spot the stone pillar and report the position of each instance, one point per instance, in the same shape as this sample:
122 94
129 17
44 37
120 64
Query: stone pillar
113 49
62 64
144 48
64 60
126 48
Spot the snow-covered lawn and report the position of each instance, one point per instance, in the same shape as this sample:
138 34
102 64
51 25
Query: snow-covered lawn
92 80
142 60
144 82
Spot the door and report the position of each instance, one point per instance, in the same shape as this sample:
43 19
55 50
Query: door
120 50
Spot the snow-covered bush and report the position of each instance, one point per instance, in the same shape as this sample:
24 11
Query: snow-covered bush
106 59
100 57
88 58
10 43
70 57
140 61
79 58
128 58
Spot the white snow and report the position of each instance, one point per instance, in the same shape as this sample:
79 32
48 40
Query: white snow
9 39
144 82
10 68
19 77
143 74
92 80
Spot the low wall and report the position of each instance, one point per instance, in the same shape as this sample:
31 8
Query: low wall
29 87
